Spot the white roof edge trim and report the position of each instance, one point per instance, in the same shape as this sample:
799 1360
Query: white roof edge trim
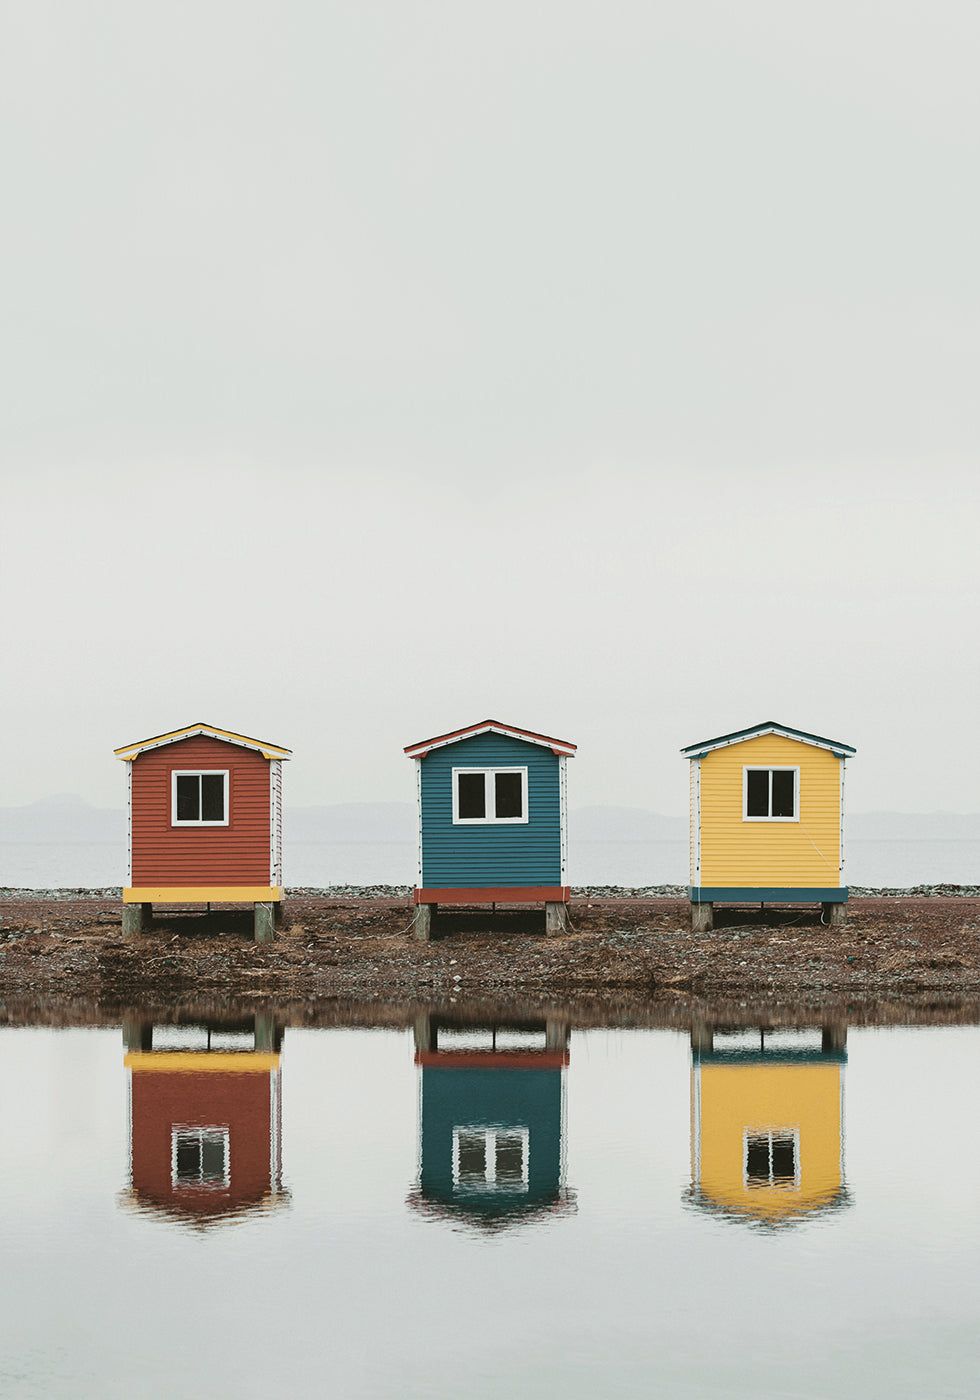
134 750
419 750
841 750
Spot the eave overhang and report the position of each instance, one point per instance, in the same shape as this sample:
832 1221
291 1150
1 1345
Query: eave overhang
769 726
130 751
562 747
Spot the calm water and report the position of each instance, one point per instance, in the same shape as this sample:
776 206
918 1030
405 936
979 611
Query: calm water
499 1210
633 863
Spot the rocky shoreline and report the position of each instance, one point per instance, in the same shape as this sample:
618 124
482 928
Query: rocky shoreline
634 950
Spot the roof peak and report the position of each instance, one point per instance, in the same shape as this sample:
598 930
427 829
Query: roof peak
769 726
562 747
190 731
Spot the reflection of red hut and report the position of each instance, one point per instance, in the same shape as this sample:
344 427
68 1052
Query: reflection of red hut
491 1121
205 818
204 1124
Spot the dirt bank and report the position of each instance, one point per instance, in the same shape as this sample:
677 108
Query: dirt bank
632 951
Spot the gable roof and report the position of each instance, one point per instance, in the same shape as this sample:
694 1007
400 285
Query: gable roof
562 747
131 751
769 726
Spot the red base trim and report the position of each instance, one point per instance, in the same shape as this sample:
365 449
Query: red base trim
489 1059
507 894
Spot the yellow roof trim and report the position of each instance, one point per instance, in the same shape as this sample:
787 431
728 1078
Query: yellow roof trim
267 750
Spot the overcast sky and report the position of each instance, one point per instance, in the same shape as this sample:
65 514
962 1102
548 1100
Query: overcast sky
373 368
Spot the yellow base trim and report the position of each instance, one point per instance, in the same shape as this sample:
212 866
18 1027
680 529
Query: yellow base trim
201 1061
202 894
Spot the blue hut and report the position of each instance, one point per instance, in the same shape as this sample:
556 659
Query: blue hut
492 820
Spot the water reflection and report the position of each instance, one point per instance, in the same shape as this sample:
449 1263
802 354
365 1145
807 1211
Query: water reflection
205 1117
767 1121
491 1120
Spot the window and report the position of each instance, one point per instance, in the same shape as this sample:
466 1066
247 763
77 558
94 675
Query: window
770 794
772 1158
199 1157
489 795
200 799
490 1159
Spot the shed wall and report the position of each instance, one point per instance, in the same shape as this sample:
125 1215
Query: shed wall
473 857
236 854
736 1099
738 853
242 1102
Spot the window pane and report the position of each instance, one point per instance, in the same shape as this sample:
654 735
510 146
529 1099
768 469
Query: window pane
472 794
510 1159
757 792
757 1158
213 1159
782 794
212 797
509 794
188 1157
188 798
472 1158
783 1159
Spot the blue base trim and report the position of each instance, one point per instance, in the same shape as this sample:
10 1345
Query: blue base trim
770 1057
713 894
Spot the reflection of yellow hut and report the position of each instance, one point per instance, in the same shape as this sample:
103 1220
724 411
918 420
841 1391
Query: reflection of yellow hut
767 1124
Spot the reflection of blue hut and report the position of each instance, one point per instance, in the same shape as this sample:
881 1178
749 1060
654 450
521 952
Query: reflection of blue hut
491 1121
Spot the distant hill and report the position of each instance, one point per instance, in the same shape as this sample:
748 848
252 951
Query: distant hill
913 826
624 824
60 819
351 821
66 817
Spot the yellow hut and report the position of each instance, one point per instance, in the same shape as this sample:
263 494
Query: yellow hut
767 1127
767 820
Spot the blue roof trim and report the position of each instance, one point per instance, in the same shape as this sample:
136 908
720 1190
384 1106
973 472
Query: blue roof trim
767 727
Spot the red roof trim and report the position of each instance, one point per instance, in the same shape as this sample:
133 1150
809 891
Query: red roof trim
419 750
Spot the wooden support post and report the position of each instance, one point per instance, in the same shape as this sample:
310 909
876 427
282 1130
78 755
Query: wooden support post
833 1036
555 1034
702 1036
555 918
132 919
265 924
702 917
835 914
423 1031
137 1034
265 1031
425 917
278 915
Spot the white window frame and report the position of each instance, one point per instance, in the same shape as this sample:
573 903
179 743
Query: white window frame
770 768
772 1183
193 1130
489 1135
491 819
197 773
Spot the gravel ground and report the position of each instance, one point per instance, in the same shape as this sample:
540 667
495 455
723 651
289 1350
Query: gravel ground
634 951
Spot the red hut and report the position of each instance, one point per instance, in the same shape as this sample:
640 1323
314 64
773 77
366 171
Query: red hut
205 823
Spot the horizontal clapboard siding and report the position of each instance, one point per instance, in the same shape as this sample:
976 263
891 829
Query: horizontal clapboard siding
803 854
236 854
461 857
